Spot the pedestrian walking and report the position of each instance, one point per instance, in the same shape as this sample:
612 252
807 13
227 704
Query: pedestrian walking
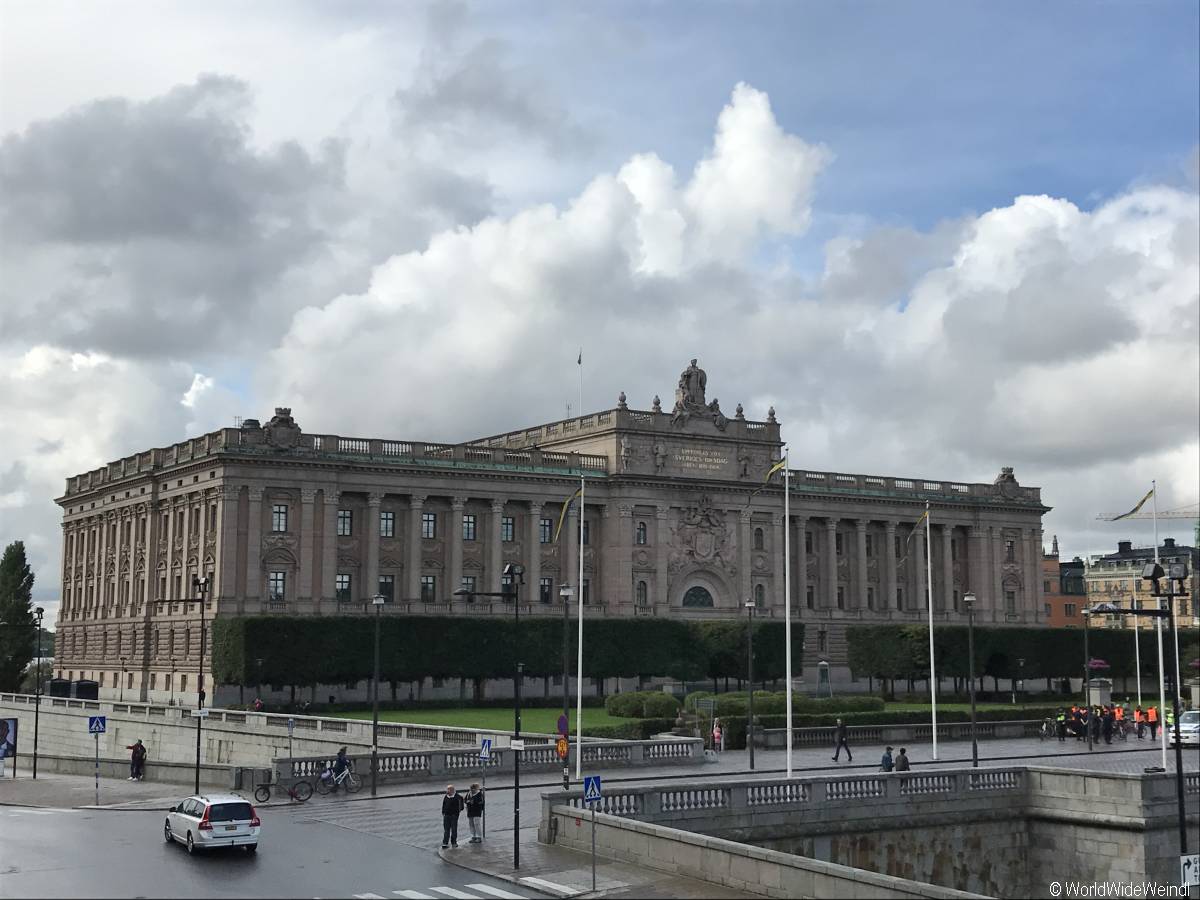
902 761
1139 721
717 745
839 739
1060 726
1152 721
452 806
1107 725
885 763
474 804
137 760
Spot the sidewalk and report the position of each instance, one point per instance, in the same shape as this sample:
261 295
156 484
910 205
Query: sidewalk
567 873
54 791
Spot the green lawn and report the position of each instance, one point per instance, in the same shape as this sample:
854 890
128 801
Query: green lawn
535 720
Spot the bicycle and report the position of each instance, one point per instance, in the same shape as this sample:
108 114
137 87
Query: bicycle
300 791
1048 729
346 778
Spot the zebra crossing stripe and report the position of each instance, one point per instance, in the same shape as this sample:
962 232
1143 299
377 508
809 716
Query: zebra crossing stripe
455 893
414 895
542 884
495 892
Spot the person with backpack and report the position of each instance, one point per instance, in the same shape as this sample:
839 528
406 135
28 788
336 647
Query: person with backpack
137 760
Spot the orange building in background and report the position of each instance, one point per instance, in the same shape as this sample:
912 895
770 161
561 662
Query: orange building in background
1064 590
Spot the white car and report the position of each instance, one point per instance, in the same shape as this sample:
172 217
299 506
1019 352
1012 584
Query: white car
217 820
1189 729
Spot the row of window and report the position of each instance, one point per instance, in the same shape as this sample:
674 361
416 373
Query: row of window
429 525
277 583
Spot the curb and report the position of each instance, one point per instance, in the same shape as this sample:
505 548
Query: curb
455 859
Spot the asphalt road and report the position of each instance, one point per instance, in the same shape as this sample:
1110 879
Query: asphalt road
82 853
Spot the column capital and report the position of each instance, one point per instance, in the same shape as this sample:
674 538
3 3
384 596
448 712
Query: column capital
978 531
256 494
374 500
860 525
497 506
535 507
416 501
831 523
457 503
889 526
801 519
308 495
744 516
332 495
226 491
660 513
625 512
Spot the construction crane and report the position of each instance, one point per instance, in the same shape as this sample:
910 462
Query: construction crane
1190 511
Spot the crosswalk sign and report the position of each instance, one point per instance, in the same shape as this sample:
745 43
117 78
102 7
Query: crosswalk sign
96 724
591 789
485 749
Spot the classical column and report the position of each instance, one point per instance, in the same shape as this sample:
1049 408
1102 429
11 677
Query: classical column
623 554
800 574
254 573
775 595
129 544
860 536
308 530
947 567
975 565
571 539
454 547
172 527
329 542
371 588
1033 568
495 561
889 565
999 605
916 559
416 506
744 564
661 543
831 567
533 558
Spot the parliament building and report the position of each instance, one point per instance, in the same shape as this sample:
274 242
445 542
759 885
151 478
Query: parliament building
679 520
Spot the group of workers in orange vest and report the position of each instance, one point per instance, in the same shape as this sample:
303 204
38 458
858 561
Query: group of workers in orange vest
1103 721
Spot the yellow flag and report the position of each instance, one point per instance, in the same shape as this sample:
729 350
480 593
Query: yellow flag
1136 509
779 466
563 515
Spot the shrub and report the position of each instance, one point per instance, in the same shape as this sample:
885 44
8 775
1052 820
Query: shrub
659 705
641 730
625 706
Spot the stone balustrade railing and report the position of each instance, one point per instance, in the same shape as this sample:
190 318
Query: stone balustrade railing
414 765
913 733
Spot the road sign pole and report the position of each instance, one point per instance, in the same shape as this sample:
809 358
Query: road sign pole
97 737
593 848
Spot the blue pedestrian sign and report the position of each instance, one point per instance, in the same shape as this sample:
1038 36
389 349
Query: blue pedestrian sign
591 789
485 749
96 724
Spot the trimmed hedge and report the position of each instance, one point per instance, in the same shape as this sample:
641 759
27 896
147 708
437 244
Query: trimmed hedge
642 705
339 649
641 730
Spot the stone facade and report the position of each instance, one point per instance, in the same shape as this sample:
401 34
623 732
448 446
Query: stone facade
679 521
1063 589
1117 578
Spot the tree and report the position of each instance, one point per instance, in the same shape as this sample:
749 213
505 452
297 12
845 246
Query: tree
16 611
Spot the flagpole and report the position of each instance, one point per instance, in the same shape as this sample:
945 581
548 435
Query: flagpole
929 604
787 598
1162 691
579 638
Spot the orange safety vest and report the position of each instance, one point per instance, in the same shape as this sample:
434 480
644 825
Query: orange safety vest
1119 712
1138 715
1152 714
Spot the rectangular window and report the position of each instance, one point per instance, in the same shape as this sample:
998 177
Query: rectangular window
1045 587
342 587
468 531
387 524
506 529
1069 609
871 598
810 597
808 547
153 681
212 517
1010 601
428 526
545 587
841 598
277 585
870 546
837 543
899 598
1048 612
279 517
587 532
429 588
345 522
468 583
544 530
822 641
387 587
1010 551
183 682
587 591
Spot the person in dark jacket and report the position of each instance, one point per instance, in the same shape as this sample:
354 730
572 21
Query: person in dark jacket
137 760
902 761
885 762
839 741
474 804
1106 724
452 805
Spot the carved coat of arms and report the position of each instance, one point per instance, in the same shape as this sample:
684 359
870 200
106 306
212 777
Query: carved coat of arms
701 538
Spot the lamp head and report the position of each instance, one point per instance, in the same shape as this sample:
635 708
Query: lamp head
378 600
514 569
749 604
566 592
1152 572
969 599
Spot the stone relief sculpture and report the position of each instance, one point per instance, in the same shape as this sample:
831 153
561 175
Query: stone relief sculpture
626 453
701 538
660 458
690 401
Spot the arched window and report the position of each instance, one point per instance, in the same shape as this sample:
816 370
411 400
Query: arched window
641 534
758 539
641 593
698 597
760 595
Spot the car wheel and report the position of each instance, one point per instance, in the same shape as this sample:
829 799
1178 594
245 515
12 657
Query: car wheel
167 833
190 843
252 848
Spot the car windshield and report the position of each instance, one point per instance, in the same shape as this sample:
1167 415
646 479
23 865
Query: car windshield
1190 718
229 812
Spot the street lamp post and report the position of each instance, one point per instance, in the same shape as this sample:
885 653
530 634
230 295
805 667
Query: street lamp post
378 600
566 592
1019 684
1087 675
969 601
172 661
1176 576
750 675
200 584
121 687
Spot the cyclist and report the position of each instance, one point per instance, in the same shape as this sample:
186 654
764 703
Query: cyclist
340 764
